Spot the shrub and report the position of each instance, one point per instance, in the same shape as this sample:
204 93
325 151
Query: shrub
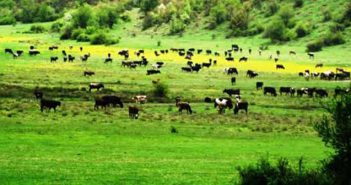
347 15
83 16
174 130
148 21
7 20
276 30
56 26
270 8
336 27
101 38
327 16
160 90
239 22
83 38
282 173
286 13
335 131
37 29
177 26
314 46
76 33
66 32
298 3
332 39
301 30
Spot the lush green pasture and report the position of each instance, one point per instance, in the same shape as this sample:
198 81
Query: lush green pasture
79 145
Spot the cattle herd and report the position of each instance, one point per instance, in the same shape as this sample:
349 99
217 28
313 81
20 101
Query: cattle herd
221 104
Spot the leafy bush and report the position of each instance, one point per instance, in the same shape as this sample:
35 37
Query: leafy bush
282 173
239 22
276 31
148 21
270 8
302 30
66 32
160 90
217 15
286 13
37 29
315 46
346 18
76 33
335 131
298 3
83 38
83 17
327 16
177 26
56 26
333 38
6 20
102 38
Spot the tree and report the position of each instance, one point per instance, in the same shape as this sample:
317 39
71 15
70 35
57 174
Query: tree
335 131
148 5
83 16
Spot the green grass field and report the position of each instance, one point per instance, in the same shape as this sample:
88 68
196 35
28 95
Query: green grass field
80 145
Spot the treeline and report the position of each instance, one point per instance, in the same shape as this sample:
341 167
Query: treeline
29 11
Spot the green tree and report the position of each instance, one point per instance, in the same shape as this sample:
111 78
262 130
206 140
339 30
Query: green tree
148 5
83 16
335 131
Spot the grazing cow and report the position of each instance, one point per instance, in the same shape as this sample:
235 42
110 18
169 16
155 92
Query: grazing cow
328 75
339 91
81 49
85 57
342 76
8 50
310 55
235 47
53 59
301 74
199 51
292 53
250 50
64 53
241 105
286 90
280 66
259 85
49 104
204 64
231 70
321 93
230 92
230 59
89 73
187 69
183 106
140 99
222 103
33 52
71 58
112 100
208 100
96 86
243 59
107 60
99 102
19 52
196 68
251 74
208 52
270 90
276 59
153 71
65 59
233 80
319 65
133 112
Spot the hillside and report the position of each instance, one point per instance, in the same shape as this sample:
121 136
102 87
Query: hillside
319 23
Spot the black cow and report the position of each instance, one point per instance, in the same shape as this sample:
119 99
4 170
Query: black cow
8 50
71 58
286 90
270 90
153 71
108 60
34 52
251 74
292 53
89 73
233 80
53 59
339 91
232 70
321 93
96 86
230 59
310 55
230 92
187 69
259 85
113 100
243 59
196 68
205 64
49 104
64 53
241 105
133 112
280 66
207 100
19 52
38 93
